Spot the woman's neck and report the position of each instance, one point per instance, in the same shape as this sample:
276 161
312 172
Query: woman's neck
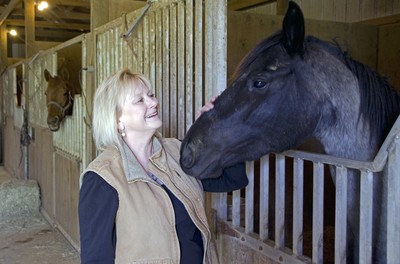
142 149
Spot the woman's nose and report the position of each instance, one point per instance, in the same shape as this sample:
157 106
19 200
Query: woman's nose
152 101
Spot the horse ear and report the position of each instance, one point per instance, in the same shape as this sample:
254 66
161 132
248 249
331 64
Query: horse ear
293 29
47 75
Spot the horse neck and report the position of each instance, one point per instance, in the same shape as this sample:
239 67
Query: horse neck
350 139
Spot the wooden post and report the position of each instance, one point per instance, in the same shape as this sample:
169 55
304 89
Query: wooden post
281 7
3 47
30 45
97 15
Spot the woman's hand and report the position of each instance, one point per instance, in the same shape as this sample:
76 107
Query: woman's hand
207 107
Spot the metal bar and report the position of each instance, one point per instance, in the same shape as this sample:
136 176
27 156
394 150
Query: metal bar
138 19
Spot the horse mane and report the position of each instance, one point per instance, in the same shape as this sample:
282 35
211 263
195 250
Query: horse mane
379 101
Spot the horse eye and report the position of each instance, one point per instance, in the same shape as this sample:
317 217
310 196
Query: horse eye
259 84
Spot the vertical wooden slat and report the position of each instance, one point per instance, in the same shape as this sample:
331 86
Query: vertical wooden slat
146 46
249 220
264 197
158 59
181 70
298 198
366 203
341 215
219 39
208 50
236 208
318 213
165 73
280 202
139 48
189 64
152 49
393 210
173 72
198 53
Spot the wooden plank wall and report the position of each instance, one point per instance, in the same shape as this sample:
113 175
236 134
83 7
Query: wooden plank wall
348 11
245 30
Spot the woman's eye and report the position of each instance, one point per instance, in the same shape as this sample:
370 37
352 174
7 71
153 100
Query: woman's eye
138 101
259 84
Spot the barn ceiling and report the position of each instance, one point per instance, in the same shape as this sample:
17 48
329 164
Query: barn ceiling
65 19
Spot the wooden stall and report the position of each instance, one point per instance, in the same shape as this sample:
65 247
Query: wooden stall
188 48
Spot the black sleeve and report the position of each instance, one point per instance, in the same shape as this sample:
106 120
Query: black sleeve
98 204
232 178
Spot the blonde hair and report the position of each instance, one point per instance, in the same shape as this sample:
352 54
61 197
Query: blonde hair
108 101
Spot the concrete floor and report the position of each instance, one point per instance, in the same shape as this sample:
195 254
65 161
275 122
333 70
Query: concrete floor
32 240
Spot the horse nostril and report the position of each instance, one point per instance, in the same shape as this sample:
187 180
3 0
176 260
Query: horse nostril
53 120
187 156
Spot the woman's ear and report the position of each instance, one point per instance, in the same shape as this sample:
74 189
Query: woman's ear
120 125
121 128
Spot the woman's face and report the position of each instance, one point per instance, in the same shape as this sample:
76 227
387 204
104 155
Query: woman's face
140 113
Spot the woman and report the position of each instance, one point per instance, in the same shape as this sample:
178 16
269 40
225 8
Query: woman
136 205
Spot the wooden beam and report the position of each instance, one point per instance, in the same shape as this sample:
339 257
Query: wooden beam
30 46
58 13
76 3
243 4
45 24
8 10
3 47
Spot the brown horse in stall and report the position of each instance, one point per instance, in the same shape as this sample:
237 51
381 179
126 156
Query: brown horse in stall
60 98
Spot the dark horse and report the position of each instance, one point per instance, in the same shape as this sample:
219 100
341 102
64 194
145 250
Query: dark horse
289 88
60 98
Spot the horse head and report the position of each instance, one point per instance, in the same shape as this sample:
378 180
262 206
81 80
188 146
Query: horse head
59 97
266 108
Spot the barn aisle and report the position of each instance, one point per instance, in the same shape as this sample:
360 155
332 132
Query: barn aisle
25 236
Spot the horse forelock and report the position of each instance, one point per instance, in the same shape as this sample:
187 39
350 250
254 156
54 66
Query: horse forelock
254 53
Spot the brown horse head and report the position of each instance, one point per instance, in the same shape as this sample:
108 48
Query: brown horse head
59 96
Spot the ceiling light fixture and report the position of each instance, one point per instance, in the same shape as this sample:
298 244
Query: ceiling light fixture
42 5
13 32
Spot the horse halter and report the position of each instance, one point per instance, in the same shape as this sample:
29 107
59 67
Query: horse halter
63 109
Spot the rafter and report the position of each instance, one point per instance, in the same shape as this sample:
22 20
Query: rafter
45 24
8 10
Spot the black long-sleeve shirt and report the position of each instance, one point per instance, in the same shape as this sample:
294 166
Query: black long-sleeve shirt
98 205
